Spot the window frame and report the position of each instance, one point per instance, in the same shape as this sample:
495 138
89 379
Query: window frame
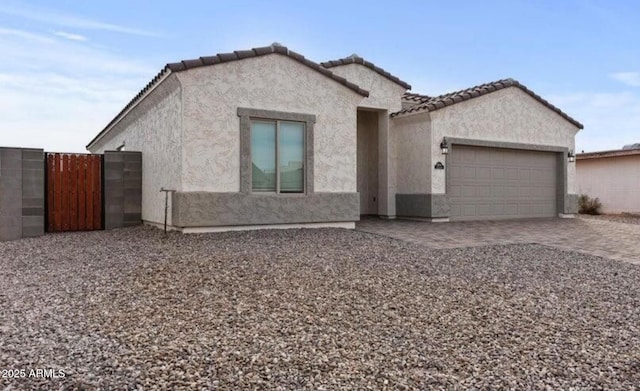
277 153
247 116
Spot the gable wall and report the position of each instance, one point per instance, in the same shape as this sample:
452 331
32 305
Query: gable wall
211 141
153 127
383 93
508 115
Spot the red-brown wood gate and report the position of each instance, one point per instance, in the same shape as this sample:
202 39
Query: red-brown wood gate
74 192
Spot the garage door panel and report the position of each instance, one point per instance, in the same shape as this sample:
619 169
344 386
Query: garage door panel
483 158
497 173
483 173
487 183
468 191
511 173
468 172
524 174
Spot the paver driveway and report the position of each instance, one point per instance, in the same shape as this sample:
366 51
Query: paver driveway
603 238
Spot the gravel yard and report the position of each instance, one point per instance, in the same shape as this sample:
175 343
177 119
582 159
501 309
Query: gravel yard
315 309
626 218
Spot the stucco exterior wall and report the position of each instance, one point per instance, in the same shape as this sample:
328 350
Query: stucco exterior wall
614 180
508 115
211 138
154 128
413 141
383 93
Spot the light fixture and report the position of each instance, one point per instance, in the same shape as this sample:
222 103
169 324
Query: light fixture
444 147
571 156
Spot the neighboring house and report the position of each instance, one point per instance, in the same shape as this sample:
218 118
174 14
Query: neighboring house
265 137
613 177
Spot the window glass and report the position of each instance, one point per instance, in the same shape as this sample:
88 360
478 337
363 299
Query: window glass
263 155
291 157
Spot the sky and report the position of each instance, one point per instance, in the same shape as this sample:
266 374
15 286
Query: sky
69 66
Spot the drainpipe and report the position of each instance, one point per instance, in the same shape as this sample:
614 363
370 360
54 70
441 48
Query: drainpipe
166 205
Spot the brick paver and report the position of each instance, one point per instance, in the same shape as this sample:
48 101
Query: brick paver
603 238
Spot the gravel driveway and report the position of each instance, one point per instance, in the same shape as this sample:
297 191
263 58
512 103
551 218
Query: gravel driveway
315 309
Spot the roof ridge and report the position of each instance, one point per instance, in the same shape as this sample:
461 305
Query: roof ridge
274 48
356 59
450 98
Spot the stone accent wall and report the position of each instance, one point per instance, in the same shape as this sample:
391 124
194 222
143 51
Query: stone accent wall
122 184
21 193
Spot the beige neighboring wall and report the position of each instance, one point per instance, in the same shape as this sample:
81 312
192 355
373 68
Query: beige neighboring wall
507 115
152 127
413 140
614 180
211 139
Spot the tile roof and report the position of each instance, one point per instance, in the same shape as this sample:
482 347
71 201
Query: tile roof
219 58
261 51
439 102
415 98
603 154
355 59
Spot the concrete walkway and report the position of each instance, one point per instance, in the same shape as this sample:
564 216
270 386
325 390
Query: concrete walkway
603 238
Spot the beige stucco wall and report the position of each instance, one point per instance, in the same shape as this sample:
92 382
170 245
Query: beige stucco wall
412 136
211 140
153 127
614 180
383 93
508 115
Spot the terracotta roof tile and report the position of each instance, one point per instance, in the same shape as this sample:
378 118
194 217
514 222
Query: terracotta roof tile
355 59
426 103
227 57
417 98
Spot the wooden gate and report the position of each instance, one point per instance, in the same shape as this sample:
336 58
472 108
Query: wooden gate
74 192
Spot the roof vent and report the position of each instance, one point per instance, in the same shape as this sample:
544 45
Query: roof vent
632 146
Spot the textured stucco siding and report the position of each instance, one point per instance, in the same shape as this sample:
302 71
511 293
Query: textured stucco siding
413 139
383 93
154 128
508 115
615 180
211 138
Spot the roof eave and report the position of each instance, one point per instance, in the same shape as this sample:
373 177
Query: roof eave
152 85
449 99
608 154
218 59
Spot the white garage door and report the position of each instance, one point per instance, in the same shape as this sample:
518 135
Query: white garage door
498 183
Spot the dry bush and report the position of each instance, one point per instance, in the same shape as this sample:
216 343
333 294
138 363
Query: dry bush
588 205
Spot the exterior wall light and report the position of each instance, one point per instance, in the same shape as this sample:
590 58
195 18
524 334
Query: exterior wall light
571 156
444 147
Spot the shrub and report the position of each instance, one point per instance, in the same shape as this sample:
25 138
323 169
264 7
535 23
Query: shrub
588 205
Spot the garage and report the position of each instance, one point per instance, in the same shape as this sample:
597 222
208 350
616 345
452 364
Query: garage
500 183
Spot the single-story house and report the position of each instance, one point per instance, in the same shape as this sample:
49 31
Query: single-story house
268 138
613 177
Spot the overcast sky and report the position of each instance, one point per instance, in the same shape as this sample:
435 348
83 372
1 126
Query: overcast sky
68 67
